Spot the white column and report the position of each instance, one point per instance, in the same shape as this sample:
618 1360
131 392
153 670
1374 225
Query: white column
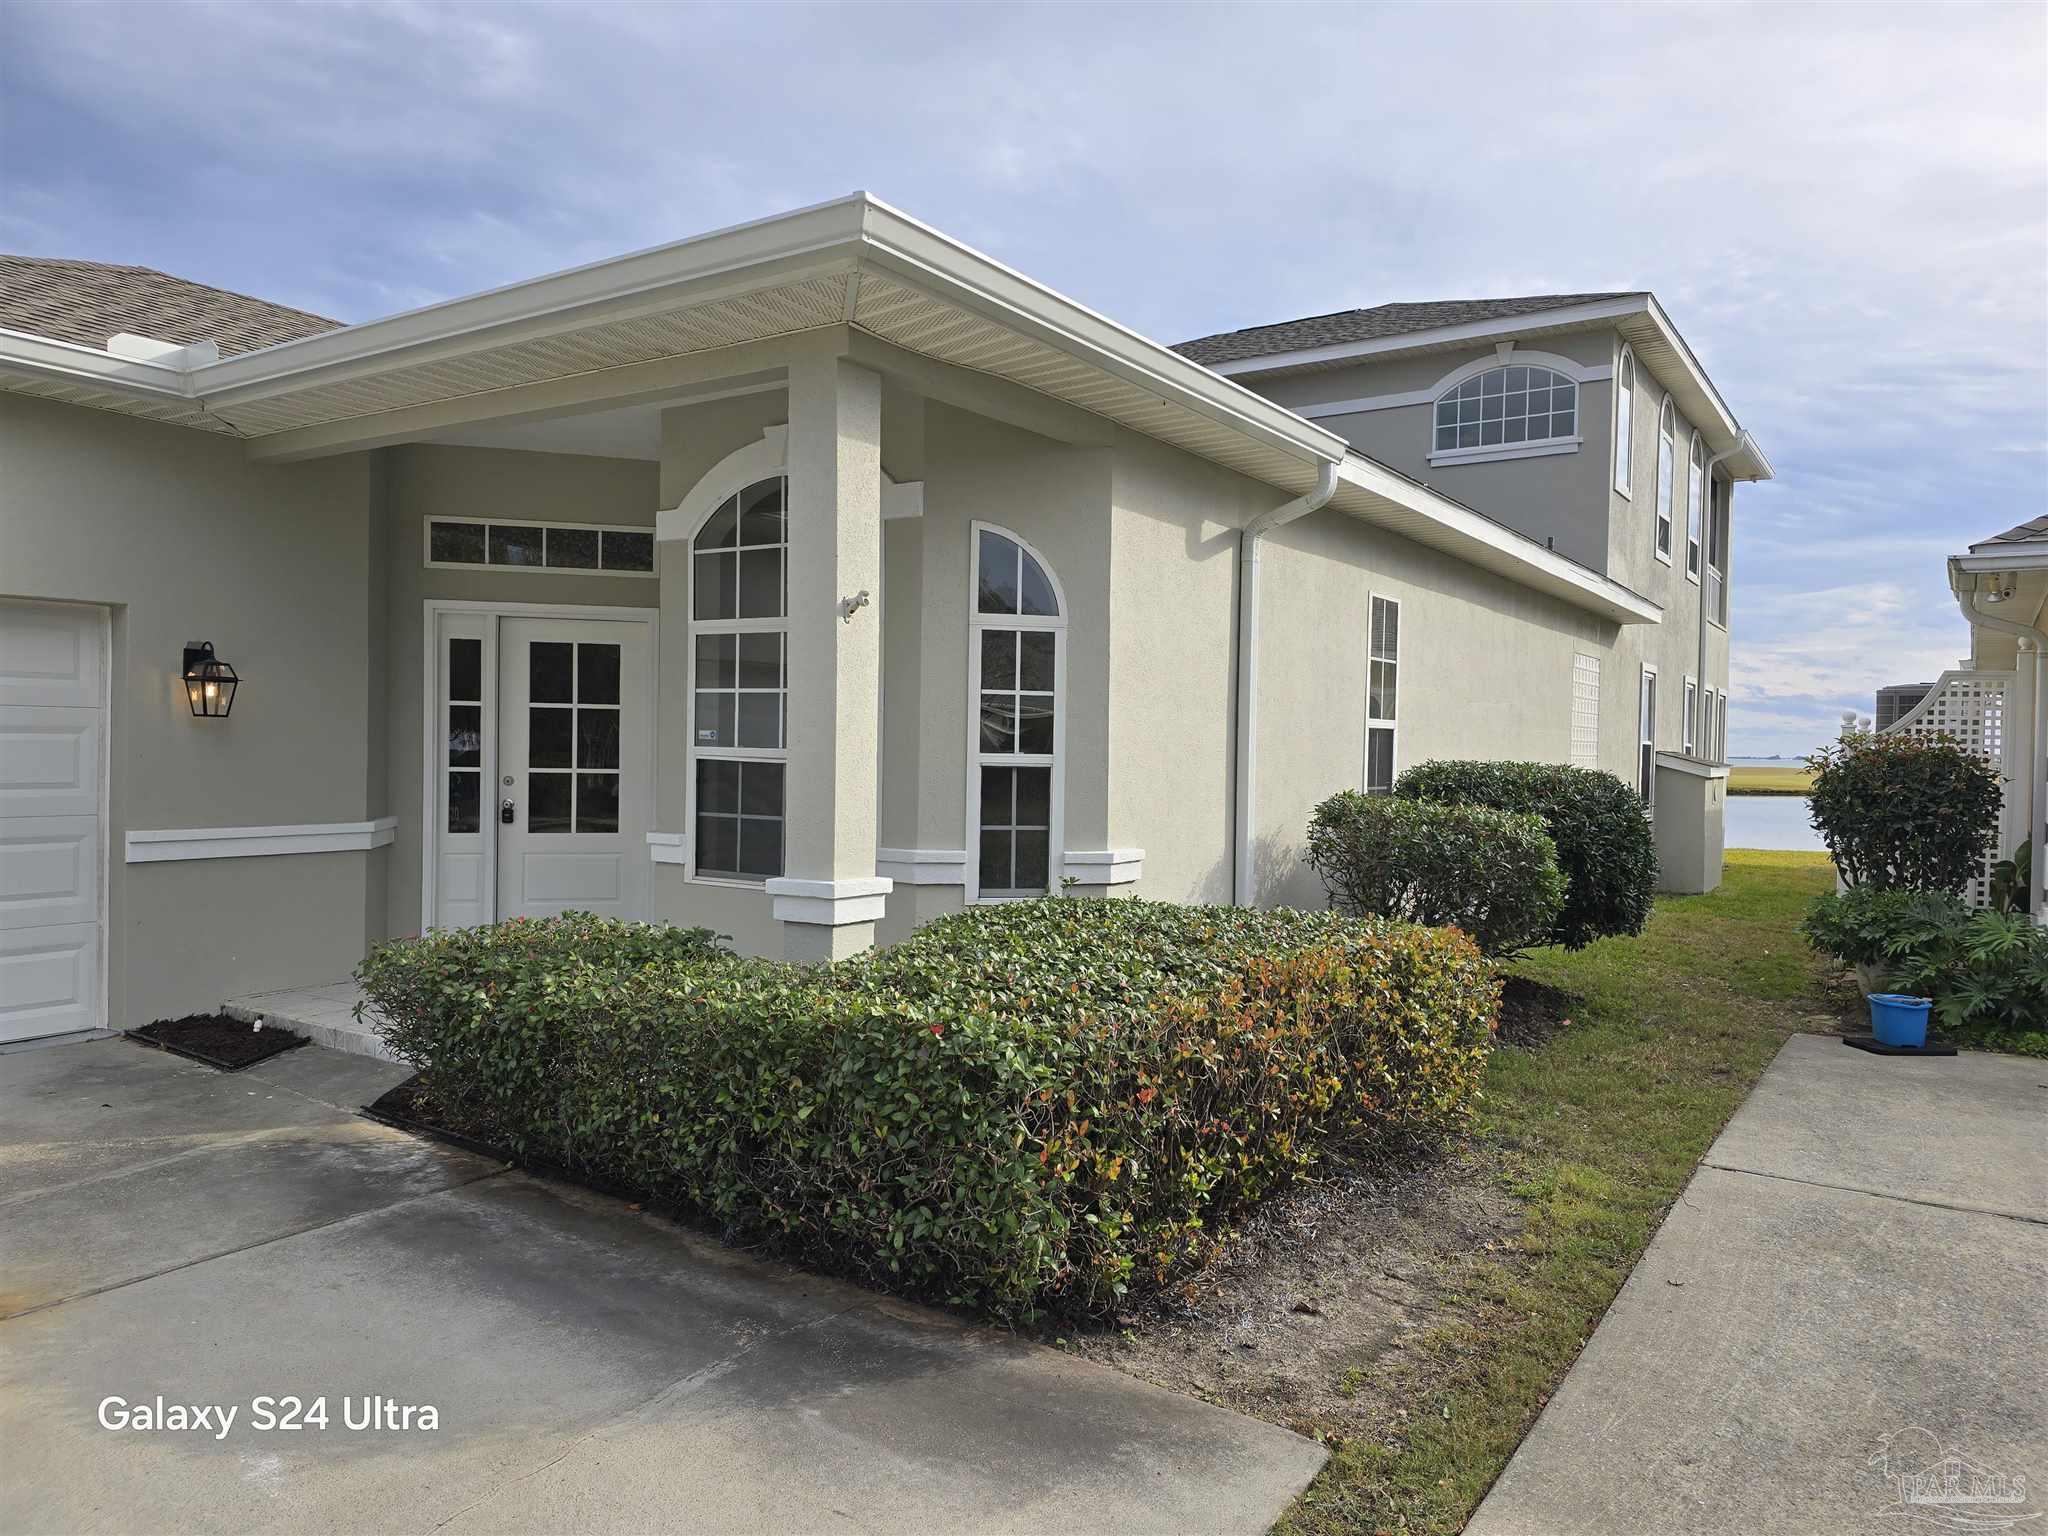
829 896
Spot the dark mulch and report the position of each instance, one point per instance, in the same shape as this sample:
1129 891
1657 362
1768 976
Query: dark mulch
218 1040
1531 1012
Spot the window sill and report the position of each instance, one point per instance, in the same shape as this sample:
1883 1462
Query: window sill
1662 558
1505 451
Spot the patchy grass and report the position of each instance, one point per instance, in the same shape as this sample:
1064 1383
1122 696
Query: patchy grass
1597 1131
1788 780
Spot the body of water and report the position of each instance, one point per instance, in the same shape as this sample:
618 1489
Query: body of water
1771 821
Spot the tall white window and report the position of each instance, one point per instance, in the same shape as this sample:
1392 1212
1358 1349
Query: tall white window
1585 711
1016 646
1514 406
739 646
1646 740
1382 690
1716 595
1695 505
1721 729
1688 733
1624 422
1667 452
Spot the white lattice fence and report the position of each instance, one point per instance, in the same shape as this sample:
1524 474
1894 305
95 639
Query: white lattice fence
1976 709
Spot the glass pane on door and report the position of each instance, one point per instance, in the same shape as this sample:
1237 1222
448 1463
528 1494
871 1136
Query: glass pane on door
572 737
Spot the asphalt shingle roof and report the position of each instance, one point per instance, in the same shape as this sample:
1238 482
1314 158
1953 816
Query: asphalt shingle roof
2033 531
1348 325
85 302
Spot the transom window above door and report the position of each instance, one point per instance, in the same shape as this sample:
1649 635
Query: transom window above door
589 549
1519 405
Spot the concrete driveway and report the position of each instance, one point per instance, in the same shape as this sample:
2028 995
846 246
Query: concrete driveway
169 1231
1853 1289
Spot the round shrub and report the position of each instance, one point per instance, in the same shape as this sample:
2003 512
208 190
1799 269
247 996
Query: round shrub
1605 848
1039 1105
1492 873
1905 811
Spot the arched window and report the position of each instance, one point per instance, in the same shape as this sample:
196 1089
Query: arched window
739 651
1016 657
1667 452
1512 406
1695 505
1625 422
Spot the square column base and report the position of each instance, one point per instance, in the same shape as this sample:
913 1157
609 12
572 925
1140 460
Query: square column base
828 919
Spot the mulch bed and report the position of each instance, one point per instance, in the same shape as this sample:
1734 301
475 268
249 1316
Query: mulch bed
1531 1012
218 1040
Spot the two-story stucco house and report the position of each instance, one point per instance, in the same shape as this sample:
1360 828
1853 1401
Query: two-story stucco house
807 580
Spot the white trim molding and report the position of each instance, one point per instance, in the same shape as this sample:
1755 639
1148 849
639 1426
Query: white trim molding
1106 866
1506 451
922 866
901 499
1578 373
762 459
175 843
1699 768
829 903
668 848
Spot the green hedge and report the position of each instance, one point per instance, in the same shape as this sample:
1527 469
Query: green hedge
1038 1105
1492 873
1905 812
1604 843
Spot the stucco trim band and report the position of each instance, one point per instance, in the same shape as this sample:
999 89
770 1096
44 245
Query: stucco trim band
176 843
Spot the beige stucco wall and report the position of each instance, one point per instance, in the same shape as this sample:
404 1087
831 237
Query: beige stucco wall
183 538
422 480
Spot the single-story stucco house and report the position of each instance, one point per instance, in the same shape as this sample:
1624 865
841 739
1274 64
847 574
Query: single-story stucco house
1996 702
805 580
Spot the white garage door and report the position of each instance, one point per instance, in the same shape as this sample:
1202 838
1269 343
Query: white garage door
51 833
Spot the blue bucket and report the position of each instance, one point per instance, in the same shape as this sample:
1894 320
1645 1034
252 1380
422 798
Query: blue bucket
1897 1019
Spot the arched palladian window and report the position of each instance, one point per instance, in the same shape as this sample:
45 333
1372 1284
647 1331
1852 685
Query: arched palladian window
1667 454
1625 422
1695 506
1511 406
739 650
1016 658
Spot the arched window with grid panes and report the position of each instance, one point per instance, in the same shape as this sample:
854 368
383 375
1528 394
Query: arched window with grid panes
1017 661
1515 406
739 708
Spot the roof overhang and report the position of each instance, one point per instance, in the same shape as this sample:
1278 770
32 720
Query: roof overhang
1373 493
1638 317
854 263
1995 559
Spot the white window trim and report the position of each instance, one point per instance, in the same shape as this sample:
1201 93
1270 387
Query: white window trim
1540 450
1623 470
1689 711
1721 727
1646 735
1695 502
1506 357
1393 726
977 622
1664 485
1718 620
433 813
428 562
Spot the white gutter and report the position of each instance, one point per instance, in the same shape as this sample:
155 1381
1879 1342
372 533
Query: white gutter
1968 598
1247 756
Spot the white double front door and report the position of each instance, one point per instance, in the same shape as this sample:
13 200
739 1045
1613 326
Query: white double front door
544 781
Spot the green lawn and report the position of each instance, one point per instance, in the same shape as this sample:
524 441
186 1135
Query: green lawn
1597 1132
1791 779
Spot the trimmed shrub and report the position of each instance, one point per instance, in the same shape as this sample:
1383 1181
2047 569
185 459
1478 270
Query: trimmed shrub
1863 927
1600 825
1492 873
1037 1105
1905 812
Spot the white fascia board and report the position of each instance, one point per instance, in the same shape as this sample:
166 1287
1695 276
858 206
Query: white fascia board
1992 558
1438 336
811 241
910 250
66 361
1493 547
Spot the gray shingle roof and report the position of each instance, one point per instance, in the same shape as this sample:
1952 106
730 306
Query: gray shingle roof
1348 325
86 302
2033 531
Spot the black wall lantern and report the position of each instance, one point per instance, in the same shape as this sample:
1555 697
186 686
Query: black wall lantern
209 682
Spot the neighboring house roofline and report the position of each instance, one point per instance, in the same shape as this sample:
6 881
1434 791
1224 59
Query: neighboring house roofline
1637 316
854 261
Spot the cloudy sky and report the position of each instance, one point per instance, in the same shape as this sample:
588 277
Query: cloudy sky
1845 209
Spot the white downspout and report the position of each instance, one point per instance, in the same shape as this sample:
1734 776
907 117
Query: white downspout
1968 599
1248 541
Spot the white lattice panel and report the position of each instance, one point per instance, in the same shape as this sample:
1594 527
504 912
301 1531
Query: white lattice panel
1585 711
1974 709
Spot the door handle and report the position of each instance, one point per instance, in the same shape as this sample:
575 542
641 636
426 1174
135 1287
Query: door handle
507 812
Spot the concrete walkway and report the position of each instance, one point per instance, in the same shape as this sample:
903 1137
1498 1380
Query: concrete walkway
169 1231
325 1015
1854 1287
